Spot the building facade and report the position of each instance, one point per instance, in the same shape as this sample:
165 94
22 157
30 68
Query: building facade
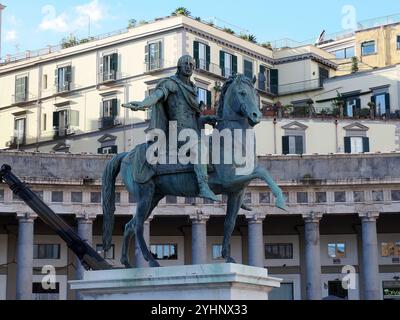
342 217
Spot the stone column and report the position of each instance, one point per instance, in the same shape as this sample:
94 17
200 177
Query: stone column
85 232
255 241
199 238
370 266
140 262
312 256
25 256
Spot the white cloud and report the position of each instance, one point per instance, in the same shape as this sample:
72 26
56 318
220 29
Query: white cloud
70 22
11 35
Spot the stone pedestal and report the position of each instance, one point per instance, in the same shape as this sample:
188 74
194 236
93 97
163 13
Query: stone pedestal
189 282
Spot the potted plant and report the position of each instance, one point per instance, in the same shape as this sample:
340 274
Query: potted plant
371 106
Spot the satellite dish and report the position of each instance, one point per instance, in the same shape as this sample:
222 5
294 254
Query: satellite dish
320 38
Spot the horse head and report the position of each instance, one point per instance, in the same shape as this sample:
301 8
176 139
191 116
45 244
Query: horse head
239 100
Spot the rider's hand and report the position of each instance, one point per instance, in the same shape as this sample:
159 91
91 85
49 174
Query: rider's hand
211 120
135 106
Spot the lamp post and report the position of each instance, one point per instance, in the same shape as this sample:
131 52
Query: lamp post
1 9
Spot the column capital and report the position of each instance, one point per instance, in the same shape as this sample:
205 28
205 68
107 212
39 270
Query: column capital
312 217
371 216
84 217
199 217
26 216
255 218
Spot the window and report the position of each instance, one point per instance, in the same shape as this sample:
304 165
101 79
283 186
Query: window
15 198
46 251
377 195
95 197
171 199
337 250
279 251
247 197
108 150
76 197
248 69
284 292
45 81
345 53
358 196
132 198
340 196
398 42
63 78
224 198
1 195
292 145
201 55
356 144
19 131
390 249
382 102
44 121
21 89
64 120
164 251
39 194
320 197
353 106
217 251
153 56
263 78
395 195
108 113
367 48
335 288
109 254
57 196
40 293
302 197
228 64
323 74
391 290
264 197
190 200
117 197
204 96
109 67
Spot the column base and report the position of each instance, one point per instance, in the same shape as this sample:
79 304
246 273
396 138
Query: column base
223 281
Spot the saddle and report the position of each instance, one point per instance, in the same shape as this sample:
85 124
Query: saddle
142 171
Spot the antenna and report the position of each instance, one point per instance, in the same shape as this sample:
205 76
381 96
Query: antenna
320 38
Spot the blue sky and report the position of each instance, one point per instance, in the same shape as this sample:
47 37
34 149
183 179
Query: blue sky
34 26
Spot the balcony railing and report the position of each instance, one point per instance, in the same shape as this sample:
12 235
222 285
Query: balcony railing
22 98
16 141
109 76
108 122
63 132
157 65
63 87
300 86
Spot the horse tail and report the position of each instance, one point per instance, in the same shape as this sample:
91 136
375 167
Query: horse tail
108 197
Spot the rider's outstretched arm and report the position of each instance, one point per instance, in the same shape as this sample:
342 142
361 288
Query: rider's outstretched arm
150 101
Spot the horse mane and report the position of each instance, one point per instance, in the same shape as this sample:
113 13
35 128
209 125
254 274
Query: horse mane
235 78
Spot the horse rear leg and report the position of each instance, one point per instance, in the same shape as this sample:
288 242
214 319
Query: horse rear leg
128 234
233 206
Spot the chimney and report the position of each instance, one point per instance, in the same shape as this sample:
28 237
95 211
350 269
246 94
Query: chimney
1 9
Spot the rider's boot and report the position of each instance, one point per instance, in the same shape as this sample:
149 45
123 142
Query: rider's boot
202 180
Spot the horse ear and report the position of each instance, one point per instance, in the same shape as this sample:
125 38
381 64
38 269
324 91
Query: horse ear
254 80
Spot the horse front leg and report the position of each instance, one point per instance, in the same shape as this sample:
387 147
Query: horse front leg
277 192
233 206
128 234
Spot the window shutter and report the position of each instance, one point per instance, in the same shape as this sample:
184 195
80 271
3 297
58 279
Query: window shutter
146 57
25 92
234 65
387 104
114 64
68 77
248 69
114 149
285 144
299 145
196 53
347 145
74 118
358 105
208 57
365 144
160 55
100 150
56 78
222 62
274 81
56 119
114 107
208 99
101 69
261 78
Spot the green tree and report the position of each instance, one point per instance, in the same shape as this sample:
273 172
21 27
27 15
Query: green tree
354 64
249 37
181 11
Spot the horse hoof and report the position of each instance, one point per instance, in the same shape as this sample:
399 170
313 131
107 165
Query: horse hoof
126 263
230 260
153 264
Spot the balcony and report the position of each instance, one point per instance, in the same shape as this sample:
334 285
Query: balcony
108 122
108 77
16 141
63 132
63 87
212 68
158 65
22 98
301 86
